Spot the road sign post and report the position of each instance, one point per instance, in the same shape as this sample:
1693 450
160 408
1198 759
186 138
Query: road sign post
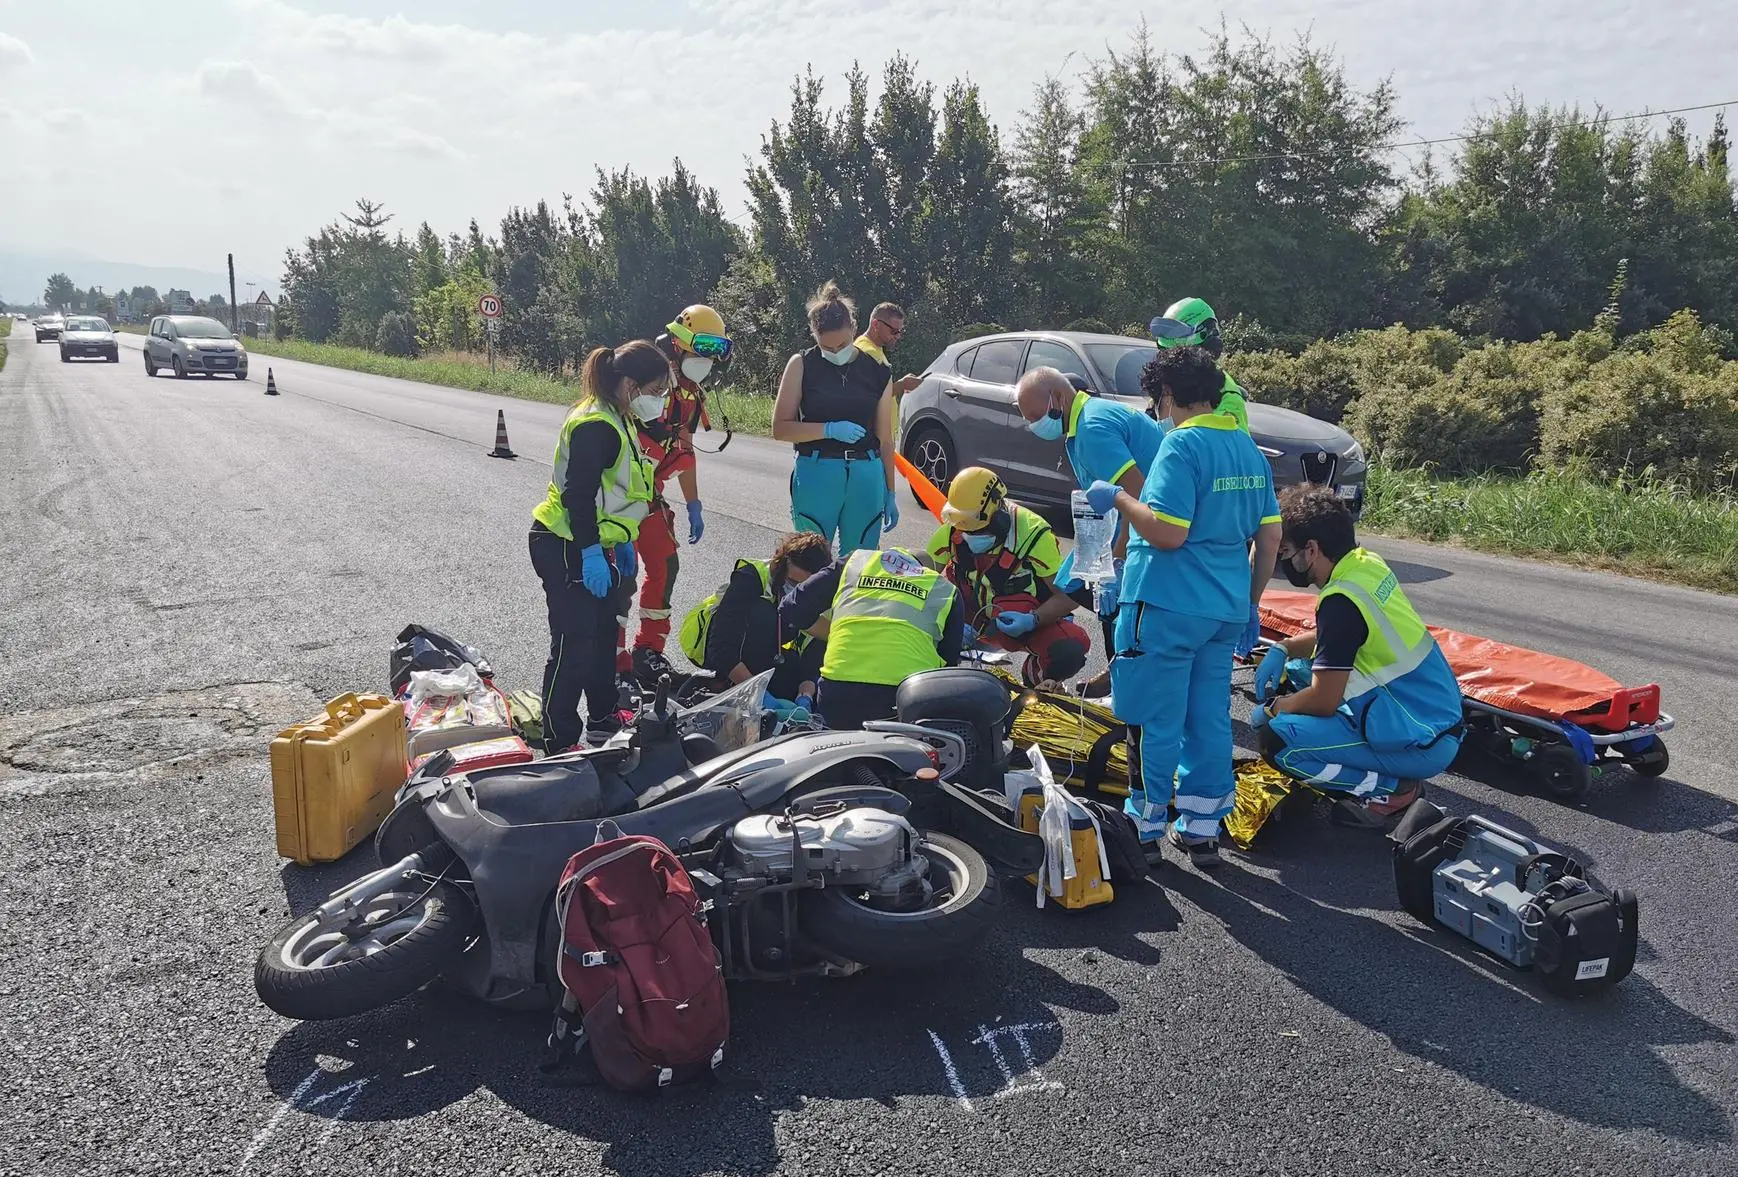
489 306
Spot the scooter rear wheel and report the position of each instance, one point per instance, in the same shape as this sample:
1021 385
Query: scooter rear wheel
315 968
967 900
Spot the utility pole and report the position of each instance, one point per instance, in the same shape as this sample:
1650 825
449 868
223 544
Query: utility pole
234 325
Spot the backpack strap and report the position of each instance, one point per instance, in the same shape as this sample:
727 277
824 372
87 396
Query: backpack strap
1098 760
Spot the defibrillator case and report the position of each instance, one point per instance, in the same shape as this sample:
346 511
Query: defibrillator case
333 777
1088 887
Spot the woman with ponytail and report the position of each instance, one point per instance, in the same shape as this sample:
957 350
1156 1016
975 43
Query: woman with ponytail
582 539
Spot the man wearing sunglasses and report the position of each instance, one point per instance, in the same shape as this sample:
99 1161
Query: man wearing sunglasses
698 350
886 325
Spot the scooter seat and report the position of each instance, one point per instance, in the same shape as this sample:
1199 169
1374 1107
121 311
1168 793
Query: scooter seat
546 792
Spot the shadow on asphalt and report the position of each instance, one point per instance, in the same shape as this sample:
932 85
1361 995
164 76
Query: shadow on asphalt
1651 805
862 1038
1439 999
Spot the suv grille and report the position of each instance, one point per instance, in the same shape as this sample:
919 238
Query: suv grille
1320 467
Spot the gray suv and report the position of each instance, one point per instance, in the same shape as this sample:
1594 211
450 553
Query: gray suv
191 345
963 414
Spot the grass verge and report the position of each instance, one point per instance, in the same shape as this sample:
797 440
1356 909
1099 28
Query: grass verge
1640 526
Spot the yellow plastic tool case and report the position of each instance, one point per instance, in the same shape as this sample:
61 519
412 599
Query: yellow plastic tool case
333 778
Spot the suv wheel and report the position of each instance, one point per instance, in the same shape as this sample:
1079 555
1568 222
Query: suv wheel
150 368
930 450
175 364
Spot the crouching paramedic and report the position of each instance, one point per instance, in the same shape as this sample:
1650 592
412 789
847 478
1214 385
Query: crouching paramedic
1003 558
1382 710
892 617
735 632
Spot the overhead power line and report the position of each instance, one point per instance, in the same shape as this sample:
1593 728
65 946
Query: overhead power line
1403 144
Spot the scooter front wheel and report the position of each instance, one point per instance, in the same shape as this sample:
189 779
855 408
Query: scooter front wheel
964 900
317 967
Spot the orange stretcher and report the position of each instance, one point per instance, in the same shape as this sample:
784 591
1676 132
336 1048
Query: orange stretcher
1560 716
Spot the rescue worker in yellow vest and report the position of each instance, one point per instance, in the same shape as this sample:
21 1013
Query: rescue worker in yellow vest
1004 559
892 617
582 539
736 634
1381 710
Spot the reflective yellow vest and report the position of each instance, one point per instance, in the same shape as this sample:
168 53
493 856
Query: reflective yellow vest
888 616
623 497
1402 691
698 623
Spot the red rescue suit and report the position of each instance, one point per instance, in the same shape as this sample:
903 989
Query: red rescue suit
669 442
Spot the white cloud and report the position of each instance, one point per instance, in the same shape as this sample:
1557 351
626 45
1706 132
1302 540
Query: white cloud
68 121
241 82
14 54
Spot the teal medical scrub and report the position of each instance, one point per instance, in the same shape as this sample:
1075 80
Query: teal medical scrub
1106 439
1182 612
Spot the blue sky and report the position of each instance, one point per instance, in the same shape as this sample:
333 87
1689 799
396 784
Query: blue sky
243 125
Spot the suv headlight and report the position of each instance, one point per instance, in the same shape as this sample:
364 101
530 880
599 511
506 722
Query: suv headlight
1355 454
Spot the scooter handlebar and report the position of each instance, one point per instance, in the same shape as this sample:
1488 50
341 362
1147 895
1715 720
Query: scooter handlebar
661 701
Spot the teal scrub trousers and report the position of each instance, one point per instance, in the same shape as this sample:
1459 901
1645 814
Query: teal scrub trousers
1327 751
1171 679
840 498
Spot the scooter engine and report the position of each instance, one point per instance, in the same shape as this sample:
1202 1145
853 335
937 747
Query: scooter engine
859 847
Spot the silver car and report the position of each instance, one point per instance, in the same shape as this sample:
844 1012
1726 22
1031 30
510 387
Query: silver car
193 345
963 414
88 335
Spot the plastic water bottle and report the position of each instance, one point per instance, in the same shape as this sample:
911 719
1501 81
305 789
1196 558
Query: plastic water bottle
1094 536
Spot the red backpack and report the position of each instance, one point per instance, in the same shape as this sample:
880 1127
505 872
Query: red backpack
639 967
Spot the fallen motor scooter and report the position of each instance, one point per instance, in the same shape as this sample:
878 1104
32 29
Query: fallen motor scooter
820 852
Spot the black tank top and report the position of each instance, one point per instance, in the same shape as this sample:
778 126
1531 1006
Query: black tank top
842 392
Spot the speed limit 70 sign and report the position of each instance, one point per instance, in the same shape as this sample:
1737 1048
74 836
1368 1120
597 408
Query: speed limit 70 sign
489 306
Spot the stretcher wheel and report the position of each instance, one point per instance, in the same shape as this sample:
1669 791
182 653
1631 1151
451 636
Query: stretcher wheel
1651 763
1563 772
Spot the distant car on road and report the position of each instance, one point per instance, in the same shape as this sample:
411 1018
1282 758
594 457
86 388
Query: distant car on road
192 344
963 414
49 327
89 335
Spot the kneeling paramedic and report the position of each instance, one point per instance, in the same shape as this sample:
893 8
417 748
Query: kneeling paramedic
1003 558
1382 710
892 617
735 633
1186 593
582 539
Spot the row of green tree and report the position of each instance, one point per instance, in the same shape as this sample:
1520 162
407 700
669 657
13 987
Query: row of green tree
142 302
1256 175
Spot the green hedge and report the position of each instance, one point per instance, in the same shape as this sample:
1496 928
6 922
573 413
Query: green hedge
1662 403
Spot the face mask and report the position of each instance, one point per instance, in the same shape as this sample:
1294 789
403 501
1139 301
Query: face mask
647 406
1047 427
1299 577
841 357
695 369
980 541
1166 424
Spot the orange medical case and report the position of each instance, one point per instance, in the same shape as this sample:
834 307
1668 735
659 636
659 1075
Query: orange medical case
334 777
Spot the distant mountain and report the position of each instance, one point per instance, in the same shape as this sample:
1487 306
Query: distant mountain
23 275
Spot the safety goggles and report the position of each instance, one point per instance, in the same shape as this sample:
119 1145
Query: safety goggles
712 347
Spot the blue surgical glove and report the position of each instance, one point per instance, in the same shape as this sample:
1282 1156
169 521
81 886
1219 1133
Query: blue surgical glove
771 702
1260 718
1101 496
627 562
594 571
1110 593
1066 581
1251 633
696 522
1267 674
846 432
1016 625
969 637
891 508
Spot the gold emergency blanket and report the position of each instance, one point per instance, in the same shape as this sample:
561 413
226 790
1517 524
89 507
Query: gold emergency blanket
1260 789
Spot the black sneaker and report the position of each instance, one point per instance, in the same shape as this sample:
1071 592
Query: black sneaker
650 665
599 731
1203 852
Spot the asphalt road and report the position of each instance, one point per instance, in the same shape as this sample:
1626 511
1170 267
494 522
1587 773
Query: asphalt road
187 566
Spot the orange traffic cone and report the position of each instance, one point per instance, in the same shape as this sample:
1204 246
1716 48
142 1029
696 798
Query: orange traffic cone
271 384
502 449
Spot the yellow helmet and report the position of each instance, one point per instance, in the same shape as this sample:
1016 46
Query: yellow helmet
973 498
700 320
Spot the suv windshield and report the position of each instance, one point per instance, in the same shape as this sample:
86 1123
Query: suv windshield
87 325
201 329
1121 363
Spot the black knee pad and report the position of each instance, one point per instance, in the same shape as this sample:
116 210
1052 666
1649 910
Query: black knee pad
1067 659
